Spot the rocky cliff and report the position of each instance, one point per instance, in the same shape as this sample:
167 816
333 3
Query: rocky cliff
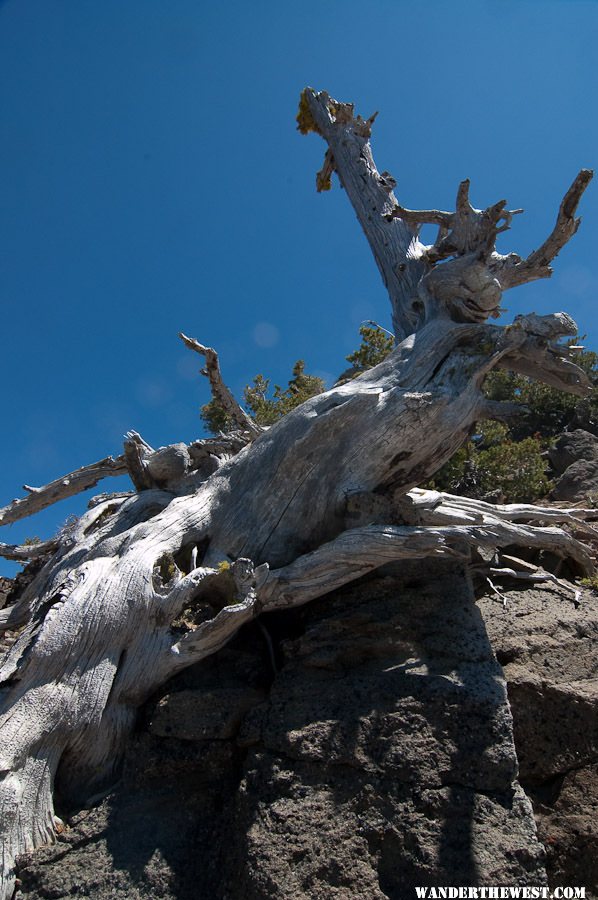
362 746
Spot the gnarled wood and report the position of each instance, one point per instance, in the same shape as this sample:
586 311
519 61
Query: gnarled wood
259 520
470 284
537 264
394 242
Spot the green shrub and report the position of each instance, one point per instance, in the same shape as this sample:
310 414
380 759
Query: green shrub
507 471
545 409
376 344
214 418
266 410
300 388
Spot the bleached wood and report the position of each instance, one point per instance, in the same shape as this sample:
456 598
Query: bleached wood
262 519
25 552
536 577
464 231
513 271
68 486
469 285
359 551
394 243
137 454
426 507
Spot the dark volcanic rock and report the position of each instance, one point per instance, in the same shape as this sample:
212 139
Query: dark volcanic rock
574 458
204 715
547 645
163 834
382 759
578 482
567 817
570 447
385 757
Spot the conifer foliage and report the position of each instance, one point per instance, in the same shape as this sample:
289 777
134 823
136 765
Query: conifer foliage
509 462
376 344
266 410
500 462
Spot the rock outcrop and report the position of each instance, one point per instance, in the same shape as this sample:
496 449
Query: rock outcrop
377 757
574 458
547 645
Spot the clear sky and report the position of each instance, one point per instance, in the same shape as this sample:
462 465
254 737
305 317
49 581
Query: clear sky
153 181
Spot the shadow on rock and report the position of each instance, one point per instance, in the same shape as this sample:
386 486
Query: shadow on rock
385 758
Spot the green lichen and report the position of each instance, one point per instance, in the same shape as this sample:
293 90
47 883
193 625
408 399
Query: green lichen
305 120
323 182
591 582
166 567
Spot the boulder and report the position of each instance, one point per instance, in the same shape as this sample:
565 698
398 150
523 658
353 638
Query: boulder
567 817
570 447
574 457
384 759
214 714
578 483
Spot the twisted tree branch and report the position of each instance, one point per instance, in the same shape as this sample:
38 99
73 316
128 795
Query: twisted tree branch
511 270
67 486
220 392
27 552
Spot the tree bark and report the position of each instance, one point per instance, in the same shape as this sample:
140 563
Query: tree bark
265 519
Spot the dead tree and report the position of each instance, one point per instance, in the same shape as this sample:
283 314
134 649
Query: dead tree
263 519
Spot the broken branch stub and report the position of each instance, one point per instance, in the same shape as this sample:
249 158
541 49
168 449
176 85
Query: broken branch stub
394 243
68 486
220 392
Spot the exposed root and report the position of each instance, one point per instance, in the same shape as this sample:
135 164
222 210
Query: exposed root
425 507
535 577
358 551
211 635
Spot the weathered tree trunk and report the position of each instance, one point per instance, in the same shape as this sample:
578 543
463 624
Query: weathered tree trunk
258 520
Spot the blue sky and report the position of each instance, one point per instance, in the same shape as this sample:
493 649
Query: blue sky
154 182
